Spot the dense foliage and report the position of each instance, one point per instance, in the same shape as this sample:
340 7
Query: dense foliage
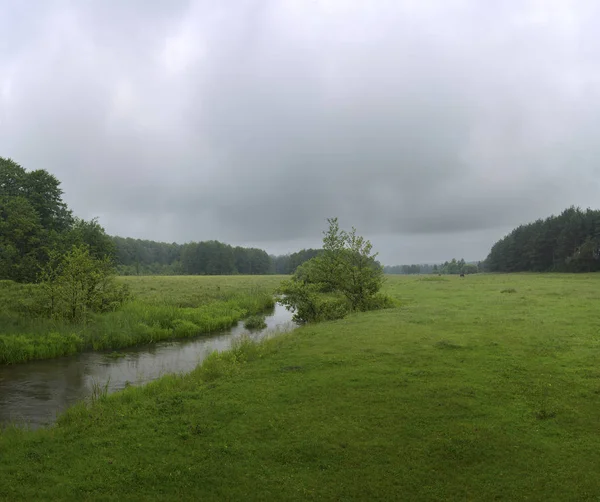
35 222
569 242
344 277
287 264
216 258
77 284
144 257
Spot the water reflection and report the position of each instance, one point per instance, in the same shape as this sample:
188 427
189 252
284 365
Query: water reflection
35 393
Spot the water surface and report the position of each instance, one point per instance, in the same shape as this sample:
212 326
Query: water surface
35 393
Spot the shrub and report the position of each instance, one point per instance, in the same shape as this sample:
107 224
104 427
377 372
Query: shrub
379 301
255 322
346 271
332 308
302 299
78 284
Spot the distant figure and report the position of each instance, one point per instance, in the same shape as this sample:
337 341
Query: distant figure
462 274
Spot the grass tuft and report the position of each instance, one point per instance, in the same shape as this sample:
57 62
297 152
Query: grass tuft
255 322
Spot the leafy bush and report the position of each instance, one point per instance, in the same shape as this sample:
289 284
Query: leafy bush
332 308
379 301
255 322
77 284
345 277
302 299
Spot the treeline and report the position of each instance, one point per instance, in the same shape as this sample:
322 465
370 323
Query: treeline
216 258
453 266
144 257
35 224
287 264
569 242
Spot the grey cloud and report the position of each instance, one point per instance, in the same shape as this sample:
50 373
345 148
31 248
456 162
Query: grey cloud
253 121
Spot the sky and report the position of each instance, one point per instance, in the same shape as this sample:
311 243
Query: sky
433 127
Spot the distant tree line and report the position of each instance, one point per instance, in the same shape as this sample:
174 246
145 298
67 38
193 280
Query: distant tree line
216 258
569 242
144 257
453 266
287 264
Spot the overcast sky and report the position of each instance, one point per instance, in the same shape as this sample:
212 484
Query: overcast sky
434 127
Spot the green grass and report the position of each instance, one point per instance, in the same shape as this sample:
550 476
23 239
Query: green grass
462 393
163 308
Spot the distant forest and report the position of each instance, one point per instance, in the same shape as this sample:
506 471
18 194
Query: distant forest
144 257
569 242
453 266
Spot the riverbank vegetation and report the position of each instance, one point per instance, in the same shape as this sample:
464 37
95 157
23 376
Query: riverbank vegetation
462 392
344 278
161 308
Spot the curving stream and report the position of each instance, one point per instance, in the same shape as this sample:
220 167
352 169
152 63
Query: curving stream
35 393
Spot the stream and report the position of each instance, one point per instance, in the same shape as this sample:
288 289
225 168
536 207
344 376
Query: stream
35 393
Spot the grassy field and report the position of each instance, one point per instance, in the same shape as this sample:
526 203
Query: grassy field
162 308
482 388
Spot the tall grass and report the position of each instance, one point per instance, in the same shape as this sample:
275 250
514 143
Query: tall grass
169 308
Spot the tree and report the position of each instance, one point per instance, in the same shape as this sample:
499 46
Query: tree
77 284
350 266
22 240
43 190
470 268
12 178
559 243
93 235
344 277
34 220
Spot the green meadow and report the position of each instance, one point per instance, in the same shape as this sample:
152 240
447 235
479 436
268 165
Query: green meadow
478 388
162 308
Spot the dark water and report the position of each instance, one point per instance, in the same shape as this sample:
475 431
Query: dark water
35 393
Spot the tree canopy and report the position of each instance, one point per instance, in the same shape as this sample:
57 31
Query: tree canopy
569 242
344 277
35 221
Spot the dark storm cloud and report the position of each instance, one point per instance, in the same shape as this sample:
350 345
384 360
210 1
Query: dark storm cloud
433 127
